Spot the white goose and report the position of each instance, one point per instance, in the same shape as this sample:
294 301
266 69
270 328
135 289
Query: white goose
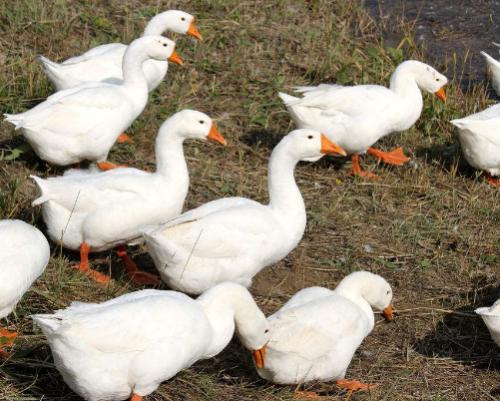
480 141
356 117
494 70
491 318
313 337
232 239
104 63
83 123
97 211
127 346
24 254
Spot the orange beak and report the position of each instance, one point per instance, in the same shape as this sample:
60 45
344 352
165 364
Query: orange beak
259 357
193 31
441 94
174 58
388 313
215 135
330 148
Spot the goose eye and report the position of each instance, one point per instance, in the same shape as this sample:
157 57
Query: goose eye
267 331
183 19
164 45
310 137
202 122
388 292
437 79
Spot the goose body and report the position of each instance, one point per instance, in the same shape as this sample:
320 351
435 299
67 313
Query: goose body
83 123
232 239
106 209
24 254
491 318
315 334
104 63
356 117
480 139
127 346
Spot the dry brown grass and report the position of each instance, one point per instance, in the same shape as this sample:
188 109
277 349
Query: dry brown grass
430 228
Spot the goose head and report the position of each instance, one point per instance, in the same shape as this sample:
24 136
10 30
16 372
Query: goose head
425 76
253 332
173 20
192 124
491 318
309 145
158 48
373 288
430 80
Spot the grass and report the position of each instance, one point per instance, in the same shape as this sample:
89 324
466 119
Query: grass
430 228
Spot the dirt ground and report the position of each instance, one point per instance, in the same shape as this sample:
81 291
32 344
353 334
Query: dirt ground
431 228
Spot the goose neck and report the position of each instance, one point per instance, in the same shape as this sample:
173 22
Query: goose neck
133 74
351 291
404 84
225 307
169 150
158 24
284 194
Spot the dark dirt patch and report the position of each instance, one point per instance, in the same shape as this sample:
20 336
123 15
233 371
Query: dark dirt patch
450 32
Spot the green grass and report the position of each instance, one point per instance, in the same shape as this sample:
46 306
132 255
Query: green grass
430 228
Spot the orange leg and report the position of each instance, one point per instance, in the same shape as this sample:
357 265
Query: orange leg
354 385
84 266
137 276
135 397
6 340
356 169
105 166
494 182
124 138
395 157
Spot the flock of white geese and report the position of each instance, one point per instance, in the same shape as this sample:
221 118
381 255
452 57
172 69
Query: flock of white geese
126 347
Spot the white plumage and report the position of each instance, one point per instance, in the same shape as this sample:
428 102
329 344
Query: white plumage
83 123
491 318
356 117
24 254
494 69
94 211
106 208
480 139
232 239
129 345
104 63
315 334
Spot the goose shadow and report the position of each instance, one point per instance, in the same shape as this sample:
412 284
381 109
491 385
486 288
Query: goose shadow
449 157
262 138
463 336
234 362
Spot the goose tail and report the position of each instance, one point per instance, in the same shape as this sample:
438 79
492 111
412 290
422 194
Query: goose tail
44 191
15 119
287 99
459 123
49 67
489 59
49 323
